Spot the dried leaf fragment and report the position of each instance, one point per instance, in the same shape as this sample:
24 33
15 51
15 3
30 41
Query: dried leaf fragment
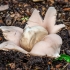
37 0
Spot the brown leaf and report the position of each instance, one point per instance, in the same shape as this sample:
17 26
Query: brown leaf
66 9
1 21
0 38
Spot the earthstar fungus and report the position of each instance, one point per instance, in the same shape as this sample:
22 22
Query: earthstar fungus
38 37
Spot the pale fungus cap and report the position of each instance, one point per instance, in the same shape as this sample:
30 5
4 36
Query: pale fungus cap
32 35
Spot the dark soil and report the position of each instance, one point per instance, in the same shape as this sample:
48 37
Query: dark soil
14 60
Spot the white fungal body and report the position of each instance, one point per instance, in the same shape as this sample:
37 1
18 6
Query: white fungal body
12 33
50 46
31 36
8 45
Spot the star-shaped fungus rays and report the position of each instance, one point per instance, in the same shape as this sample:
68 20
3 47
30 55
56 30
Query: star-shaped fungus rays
49 22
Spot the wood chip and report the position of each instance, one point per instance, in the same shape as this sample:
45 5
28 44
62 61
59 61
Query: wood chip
4 7
12 65
58 66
